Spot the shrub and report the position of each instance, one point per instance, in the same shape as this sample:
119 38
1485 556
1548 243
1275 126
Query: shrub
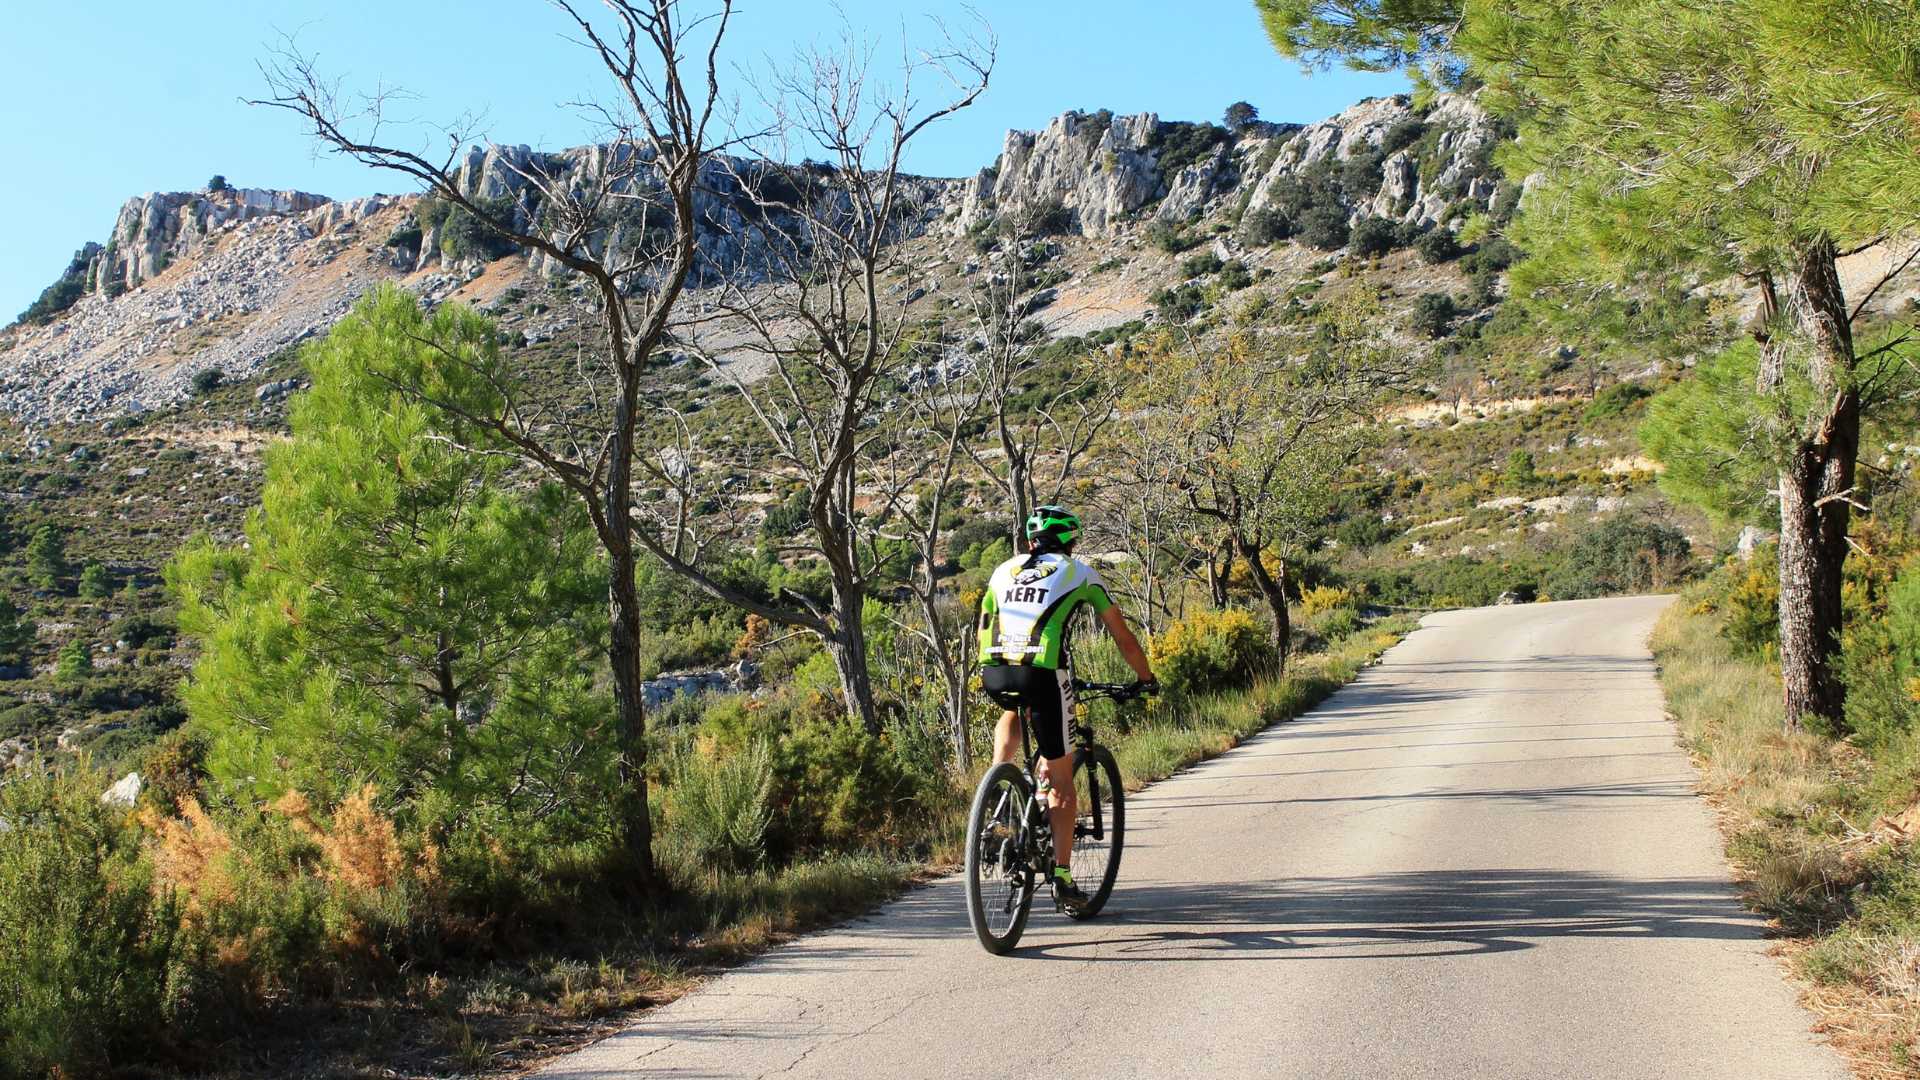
1403 134
1211 649
1438 245
1615 400
218 183
84 943
1170 238
95 582
1372 237
1201 265
1179 144
207 380
1360 174
1622 555
1325 227
1433 314
1239 115
1179 304
1267 226
1235 276
1325 598
718 807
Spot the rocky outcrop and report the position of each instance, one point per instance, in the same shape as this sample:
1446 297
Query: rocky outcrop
1099 166
157 229
1107 170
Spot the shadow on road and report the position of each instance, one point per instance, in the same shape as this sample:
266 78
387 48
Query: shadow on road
1426 913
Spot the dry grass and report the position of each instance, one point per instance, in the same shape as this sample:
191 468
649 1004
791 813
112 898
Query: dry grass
1818 832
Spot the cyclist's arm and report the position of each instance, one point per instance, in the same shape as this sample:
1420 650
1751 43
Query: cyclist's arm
1136 657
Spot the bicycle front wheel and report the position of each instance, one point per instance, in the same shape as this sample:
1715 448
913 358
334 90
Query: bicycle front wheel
1099 826
999 883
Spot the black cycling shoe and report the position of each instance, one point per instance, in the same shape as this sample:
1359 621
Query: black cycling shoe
1067 896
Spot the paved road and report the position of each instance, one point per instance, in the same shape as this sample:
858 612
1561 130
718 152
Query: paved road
1484 859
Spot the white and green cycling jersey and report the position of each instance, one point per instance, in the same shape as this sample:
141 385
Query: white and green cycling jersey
1024 614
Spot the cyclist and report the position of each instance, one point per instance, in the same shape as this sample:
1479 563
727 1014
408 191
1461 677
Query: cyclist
1024 618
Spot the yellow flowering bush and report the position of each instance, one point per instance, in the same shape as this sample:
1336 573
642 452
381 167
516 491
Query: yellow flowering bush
1210 649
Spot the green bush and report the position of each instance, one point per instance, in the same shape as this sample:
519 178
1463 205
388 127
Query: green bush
207 380
1433 314
85 946
1438 245
1881 660
95 582
1177 305
1622 555
718 807
1360 174
1372 237
1201 265
1403 134
1324 226
836 786
1170 238
1615 400
1266 226
17 634
1235 276
1211 650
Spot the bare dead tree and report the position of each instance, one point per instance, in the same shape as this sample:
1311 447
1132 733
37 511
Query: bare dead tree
1040 444
621 216
814 347
934 429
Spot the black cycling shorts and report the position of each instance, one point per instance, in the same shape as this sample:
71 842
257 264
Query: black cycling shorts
1046 692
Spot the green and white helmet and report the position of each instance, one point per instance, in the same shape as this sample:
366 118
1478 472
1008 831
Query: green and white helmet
1056 523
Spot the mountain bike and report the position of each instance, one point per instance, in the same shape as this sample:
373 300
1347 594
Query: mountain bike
1010 842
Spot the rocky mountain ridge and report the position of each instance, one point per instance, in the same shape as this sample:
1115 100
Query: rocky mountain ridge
192 282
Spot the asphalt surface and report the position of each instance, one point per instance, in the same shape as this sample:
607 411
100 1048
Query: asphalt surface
1483 859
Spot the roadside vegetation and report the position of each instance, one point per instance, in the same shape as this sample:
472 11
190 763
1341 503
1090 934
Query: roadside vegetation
1820 824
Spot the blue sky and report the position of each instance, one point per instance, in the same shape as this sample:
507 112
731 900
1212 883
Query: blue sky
111 99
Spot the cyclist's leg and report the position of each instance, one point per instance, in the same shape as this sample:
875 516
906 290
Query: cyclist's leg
1052 715
1006 738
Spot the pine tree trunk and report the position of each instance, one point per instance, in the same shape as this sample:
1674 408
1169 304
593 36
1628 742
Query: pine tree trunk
1816 483
1273 588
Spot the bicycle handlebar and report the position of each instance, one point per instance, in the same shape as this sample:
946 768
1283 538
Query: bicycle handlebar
1118 692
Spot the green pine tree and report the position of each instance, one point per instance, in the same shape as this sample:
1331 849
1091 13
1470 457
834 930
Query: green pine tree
405 611
16 634
47 558
75 662
95 582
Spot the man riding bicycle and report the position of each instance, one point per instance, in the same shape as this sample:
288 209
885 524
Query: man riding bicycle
1024 624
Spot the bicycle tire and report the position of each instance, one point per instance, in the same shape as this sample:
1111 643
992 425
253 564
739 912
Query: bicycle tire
999 887
1098 791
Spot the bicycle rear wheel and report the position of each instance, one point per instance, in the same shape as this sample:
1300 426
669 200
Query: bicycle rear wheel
999 883
1099 826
